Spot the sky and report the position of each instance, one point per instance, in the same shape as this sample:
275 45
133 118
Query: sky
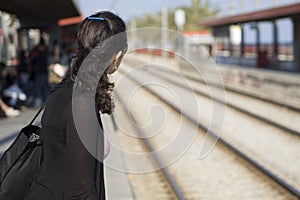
127 9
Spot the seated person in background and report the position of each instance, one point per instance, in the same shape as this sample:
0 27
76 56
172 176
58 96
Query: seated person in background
8 111
5 110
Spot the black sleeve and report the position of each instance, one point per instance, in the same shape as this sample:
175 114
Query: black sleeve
84 137
86 124
84 140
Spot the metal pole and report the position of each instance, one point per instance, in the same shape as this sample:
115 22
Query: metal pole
230 7
275 2
257 4
133 33
164 34
242 4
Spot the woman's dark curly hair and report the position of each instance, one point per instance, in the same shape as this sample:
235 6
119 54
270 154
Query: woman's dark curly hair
94 37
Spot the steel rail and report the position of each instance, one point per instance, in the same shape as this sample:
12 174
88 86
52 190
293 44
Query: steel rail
169 178
266 120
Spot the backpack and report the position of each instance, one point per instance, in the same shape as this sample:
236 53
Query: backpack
21 162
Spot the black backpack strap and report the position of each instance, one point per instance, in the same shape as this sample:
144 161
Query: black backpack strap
37 114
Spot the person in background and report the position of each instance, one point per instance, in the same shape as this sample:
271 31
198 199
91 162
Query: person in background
12 94
39 65
58 54
58 64
24 72
5 110
74 142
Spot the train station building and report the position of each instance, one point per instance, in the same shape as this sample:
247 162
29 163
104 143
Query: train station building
230 33
35 18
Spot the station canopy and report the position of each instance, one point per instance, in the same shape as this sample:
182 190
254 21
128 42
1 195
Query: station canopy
292 10
36 11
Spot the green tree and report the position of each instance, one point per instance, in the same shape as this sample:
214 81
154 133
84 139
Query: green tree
194 14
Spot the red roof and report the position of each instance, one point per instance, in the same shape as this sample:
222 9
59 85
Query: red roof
261 15
70 21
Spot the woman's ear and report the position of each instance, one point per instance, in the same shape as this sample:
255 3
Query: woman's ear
118 56
115 64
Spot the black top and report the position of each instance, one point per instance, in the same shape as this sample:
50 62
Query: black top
40 62
69 171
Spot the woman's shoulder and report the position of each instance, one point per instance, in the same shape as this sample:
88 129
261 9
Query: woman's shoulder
60 95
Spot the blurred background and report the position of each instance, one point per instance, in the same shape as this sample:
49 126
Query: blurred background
219 79
236 39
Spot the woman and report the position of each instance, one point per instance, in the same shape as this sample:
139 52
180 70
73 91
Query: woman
71 125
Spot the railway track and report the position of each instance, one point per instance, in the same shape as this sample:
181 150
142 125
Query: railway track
234 105
252 162
199 88
245 93
192 76
172 190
